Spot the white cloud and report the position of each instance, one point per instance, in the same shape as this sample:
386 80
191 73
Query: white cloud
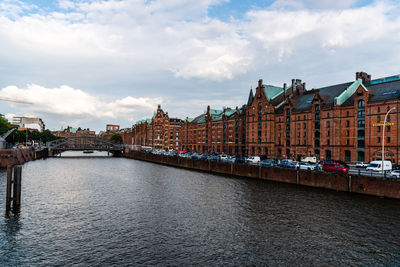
172 48
69 102
314 4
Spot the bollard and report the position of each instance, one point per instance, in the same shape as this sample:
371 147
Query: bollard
13 186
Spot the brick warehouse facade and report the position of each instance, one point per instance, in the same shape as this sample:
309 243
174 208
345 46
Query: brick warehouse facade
340 122
160 132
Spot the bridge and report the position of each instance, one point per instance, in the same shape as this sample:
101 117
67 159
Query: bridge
83 143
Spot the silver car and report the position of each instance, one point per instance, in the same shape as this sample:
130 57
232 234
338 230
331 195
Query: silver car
395 174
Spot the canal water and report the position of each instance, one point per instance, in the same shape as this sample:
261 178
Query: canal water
115 211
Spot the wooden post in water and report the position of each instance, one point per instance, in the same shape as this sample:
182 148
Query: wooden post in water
13 186
9 184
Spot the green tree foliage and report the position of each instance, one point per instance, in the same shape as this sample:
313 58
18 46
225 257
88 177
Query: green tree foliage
4 125
116 138
21 136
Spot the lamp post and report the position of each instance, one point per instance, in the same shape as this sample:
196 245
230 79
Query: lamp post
383 137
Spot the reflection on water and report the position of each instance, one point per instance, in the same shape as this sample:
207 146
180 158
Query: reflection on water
114 211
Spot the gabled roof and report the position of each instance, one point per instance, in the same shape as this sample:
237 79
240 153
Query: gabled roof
272 91
304 102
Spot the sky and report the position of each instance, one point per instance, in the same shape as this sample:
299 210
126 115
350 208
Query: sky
88 63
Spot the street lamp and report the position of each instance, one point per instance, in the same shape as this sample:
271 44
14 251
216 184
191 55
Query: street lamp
383 137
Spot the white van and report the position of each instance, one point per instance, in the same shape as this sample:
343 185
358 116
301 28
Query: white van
377 166
309 159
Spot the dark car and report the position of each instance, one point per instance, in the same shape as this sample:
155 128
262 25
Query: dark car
204 156
286 164
213 157
240 159
267 163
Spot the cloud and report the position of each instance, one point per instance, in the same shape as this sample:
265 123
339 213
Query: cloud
313 4
172 50
66 101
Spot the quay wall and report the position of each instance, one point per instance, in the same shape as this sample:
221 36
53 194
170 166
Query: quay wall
382 187
9 157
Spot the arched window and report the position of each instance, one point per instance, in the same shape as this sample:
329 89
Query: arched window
361 103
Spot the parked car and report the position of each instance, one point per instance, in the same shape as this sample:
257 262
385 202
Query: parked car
213 157
231 159
253 160
395 174
361 164
334 167
286 164
223 157
309 159
240 159
305 166
377 166
267 163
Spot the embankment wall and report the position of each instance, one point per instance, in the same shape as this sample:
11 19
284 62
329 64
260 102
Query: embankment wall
382 187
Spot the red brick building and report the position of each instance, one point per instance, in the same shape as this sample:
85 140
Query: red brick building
340 122
160 132
74 132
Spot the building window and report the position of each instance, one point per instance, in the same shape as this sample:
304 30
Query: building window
379 129
329 142
304 126
304 117
379 118
347 114
388 118
347 133
329 115
347 123
304 134
388 108
379 139
388 128
347 142
328 124
328 133
361 103
388 139
379 109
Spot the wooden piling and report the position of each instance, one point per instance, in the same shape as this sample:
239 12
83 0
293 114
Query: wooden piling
17 186
9 185
13 186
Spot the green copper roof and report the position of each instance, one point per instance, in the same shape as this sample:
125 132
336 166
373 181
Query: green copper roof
73 130
349 92
272 91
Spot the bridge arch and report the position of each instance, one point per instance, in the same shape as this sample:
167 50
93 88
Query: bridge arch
82 143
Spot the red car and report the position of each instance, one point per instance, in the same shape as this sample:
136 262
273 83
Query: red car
334 167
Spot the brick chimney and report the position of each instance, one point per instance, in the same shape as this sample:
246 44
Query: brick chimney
365 77
260 81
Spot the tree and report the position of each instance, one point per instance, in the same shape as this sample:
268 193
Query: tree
116 138
4 125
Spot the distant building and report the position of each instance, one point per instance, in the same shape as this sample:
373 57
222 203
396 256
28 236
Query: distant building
74 132
160 132
24 123
112 128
